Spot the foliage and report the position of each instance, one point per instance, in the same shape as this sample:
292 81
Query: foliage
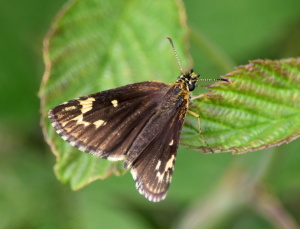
207 191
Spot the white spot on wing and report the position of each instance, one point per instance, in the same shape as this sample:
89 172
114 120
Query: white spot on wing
64 137
114 102
158 165
73 143
114 158
160 176
170 162
171 143
169 165
82 148
168 177
133 173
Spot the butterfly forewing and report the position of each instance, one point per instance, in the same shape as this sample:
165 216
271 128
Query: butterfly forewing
107 123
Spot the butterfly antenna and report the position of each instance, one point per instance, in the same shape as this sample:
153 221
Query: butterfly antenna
176 55
180 66
220 79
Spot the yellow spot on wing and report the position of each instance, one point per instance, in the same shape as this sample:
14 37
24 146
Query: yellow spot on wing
79 120
70 108
153 189
114 102
86 104
99 123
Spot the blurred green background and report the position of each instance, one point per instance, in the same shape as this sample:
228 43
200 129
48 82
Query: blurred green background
259 189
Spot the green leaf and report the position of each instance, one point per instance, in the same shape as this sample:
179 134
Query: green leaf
259 109
95 45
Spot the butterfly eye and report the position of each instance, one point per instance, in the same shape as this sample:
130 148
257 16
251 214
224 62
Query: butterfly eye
191 86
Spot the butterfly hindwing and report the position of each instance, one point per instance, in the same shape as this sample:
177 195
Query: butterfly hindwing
152 169
107 123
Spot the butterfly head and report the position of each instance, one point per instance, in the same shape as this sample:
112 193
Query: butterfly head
188 80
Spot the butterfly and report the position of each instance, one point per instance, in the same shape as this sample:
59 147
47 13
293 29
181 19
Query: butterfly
139 123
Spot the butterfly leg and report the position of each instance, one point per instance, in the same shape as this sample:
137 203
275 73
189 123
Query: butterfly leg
200 130
197 97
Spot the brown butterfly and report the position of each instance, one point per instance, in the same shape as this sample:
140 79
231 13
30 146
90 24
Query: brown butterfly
139 123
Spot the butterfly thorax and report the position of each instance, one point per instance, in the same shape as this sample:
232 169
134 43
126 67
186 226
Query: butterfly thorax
187 81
